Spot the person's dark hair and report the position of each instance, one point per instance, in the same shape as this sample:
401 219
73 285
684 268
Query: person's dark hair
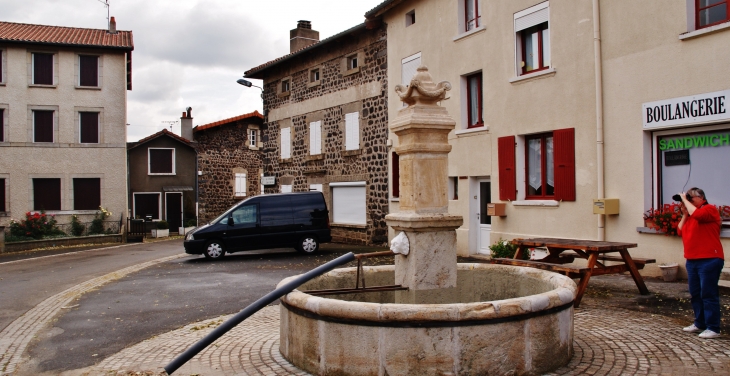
696 192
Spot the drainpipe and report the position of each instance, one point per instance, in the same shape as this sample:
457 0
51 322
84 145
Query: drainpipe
599 114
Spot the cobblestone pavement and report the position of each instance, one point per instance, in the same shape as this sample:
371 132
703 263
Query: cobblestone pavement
607 342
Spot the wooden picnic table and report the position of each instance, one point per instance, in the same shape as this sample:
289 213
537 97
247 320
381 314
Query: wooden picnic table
594 251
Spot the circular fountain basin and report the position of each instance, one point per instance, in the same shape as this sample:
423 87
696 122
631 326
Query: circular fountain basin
505 320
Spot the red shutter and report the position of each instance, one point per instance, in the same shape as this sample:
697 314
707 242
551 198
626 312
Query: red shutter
507 173
395 161
564 140
89 127
42 69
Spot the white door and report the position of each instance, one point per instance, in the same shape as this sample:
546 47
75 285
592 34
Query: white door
484 222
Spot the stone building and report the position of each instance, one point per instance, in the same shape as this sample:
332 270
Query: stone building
229 162
326 126
63 115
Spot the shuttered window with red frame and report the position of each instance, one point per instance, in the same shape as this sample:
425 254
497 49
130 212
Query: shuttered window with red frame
507 174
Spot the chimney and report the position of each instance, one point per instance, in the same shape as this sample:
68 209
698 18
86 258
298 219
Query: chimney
186 124
112 26
302 36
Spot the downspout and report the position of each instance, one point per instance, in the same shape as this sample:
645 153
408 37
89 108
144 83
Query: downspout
599 114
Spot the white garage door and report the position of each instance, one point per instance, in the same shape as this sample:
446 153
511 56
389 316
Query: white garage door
348 202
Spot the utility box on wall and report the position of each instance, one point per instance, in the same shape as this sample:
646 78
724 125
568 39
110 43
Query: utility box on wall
605 206
496 209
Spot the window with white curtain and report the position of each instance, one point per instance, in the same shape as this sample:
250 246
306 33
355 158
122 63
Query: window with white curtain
315 137
352 131
240 189
349 202
540 166
285 143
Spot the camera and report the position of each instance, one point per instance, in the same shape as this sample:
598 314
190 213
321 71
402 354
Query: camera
679 199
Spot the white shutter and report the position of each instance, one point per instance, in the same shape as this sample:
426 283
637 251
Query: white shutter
409 67
285 188
285 143
315 137
352 131
532 16
315 187
348 203
240 185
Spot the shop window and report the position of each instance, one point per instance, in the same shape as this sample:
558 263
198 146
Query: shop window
410 18
533 38
472 18
89 127
88 70
87 193
240 185
46 194
285 143
43 126
42 68
348 202
161 161
474 100
395 174
146 206
711 12
2 195
352 131
315 138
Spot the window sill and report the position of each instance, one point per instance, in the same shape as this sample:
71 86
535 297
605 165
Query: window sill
348 225
284 160
284 94
351 72
43 86
253 147
470 131
315 157
724 233
151 174
88 87
395 199
544 203
350 153
66 212
469 33
704 31
531 76
4 214
313 84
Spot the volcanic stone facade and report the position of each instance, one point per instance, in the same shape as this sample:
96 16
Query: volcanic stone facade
224 149
340 90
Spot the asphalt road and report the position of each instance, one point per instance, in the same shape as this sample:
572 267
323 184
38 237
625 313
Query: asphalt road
162 298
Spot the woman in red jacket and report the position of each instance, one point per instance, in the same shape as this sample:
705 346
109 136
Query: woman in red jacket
700 232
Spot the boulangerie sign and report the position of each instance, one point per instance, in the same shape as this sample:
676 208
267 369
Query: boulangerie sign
695 109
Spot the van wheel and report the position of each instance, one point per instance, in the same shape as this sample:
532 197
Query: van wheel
308 244
214 250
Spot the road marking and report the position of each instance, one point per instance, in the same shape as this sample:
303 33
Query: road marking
14 339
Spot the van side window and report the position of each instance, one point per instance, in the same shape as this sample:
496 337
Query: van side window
275 209
304 206
244 214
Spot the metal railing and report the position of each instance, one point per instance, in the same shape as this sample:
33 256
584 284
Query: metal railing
108 228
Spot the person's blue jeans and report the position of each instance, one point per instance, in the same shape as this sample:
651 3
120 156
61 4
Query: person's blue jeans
703 276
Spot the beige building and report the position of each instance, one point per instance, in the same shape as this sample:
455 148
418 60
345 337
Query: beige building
63 109
550 117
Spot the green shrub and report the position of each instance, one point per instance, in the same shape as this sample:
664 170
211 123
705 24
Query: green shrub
505 249
163 225
77 229
97 224
191 222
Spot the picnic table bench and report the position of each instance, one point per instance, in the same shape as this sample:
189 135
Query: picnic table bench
565 251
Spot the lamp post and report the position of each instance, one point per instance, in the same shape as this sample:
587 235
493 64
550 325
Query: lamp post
248 83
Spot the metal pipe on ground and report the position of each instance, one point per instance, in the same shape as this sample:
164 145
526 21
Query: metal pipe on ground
253 308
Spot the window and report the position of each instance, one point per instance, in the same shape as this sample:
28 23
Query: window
315 138
410 18
533 38
285 86
315 187
352 131
409 66
240 189
286 188
395 174
146 205
2 195
348 202
161 161
540 166
88 70
42 68
245 214
2 125
2 76
285 143
453 188
87 193
89 127
314 75
46 194
43 126
252 137
352 62
474 100
711 12
471 14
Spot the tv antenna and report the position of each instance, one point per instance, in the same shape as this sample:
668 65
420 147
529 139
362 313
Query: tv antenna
106 4
170 123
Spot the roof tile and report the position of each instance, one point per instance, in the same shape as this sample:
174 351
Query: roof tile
229 120
44 34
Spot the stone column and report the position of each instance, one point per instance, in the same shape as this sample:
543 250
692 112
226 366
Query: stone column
429 270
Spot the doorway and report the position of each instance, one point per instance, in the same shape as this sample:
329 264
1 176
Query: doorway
482 223
173 209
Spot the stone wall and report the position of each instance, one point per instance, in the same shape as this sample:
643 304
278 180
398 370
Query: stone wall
222 152
335 164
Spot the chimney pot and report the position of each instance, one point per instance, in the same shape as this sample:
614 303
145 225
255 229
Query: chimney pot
112 26
303 24
302 36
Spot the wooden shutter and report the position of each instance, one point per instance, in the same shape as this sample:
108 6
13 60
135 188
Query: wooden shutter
395 162
46 194
315 138
564 142
2 195
352 131
240 185
42 69
161 161
147 204
285 143
88 70
2 123
87 193
42 126
507 173
89 127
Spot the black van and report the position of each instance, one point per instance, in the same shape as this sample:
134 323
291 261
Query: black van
298 220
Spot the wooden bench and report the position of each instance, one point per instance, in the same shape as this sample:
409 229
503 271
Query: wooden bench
640 262
570 271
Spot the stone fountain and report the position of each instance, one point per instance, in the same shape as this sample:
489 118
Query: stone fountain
471 319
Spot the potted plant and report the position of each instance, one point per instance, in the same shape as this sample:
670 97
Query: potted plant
188 226
162 230
505 249
665 219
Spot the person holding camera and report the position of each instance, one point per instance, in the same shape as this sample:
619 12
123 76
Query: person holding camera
700 232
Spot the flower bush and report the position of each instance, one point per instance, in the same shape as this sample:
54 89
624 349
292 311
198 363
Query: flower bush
505 249
97 224
666 219
77 229
35 226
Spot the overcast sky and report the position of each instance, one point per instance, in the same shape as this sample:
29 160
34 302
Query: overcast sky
191 52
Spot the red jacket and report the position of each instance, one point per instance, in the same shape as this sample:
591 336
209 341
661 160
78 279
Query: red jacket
701 234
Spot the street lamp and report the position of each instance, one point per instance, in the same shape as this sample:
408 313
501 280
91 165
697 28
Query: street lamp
248 83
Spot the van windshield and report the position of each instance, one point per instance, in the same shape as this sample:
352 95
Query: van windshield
226 213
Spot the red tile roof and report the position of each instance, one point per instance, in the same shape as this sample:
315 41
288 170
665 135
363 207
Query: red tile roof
163 132
60 35
229 120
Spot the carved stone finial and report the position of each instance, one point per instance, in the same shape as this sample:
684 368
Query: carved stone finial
422 89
